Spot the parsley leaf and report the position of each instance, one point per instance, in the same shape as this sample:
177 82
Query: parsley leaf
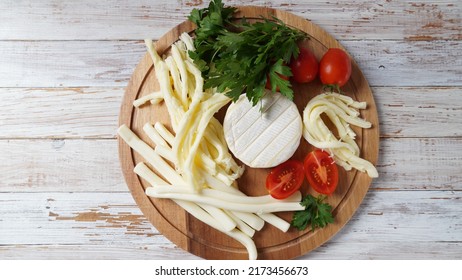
283 85
240 57
316 213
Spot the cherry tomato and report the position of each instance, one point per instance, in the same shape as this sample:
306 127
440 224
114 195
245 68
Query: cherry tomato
321 171
285 179
335 67
304 67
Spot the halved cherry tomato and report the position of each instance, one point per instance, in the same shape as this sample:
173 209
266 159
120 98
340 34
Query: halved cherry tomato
321 171
335 67
285 179
305 67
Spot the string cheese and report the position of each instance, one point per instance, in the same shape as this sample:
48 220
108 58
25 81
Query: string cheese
199 173
342 111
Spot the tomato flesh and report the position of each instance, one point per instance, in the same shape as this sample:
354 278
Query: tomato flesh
335 67
305 67
321 172
285 179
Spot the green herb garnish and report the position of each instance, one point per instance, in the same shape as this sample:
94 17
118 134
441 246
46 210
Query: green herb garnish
316 213
240 57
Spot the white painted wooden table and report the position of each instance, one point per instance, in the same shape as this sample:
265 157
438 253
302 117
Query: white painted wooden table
63 69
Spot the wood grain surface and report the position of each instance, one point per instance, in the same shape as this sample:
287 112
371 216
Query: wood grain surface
65 66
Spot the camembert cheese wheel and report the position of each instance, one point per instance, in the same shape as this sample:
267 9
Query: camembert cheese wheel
264 135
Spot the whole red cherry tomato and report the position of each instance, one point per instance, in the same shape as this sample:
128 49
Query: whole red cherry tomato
305 67
335 67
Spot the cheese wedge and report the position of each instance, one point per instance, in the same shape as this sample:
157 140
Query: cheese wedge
264 135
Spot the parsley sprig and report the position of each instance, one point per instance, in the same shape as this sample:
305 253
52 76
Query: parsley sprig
240 57
317 213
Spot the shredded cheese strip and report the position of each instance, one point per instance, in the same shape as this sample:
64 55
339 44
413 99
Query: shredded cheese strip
188 41
165 153
234 206
245 228
224 196
175 74
163 131
274 220
156 96
152 133
178 58
227 222
173 105
251 219
342 111
246 241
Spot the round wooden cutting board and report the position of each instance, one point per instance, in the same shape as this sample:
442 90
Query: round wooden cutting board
206 242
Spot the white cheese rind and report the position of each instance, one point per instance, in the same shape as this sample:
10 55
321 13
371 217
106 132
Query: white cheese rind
264 135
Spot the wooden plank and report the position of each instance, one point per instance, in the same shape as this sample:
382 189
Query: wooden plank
68 63
111 63
419 112
93 112
427 214
69 218
393 250
60 165
151 251
60 112
420 163
404 63
47 225
387 250
76 165
118 19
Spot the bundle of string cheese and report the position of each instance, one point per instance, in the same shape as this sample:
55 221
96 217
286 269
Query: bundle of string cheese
191 110
199 173
342 111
